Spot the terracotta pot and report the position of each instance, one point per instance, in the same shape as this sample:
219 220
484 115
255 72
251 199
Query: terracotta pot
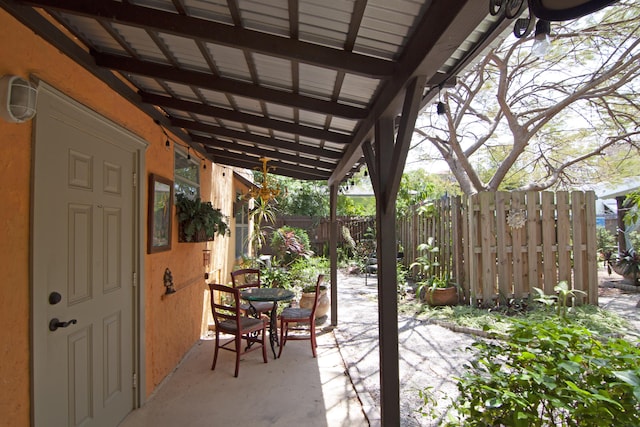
306 301
440 296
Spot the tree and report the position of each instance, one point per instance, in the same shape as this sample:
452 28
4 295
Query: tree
307 198
515 121
418 185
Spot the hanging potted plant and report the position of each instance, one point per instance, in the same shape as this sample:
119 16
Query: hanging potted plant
199 221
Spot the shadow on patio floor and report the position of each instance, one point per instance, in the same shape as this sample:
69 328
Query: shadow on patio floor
294 390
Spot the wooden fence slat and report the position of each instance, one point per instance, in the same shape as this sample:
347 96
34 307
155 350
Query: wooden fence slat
577 217
519 275
549 242
592 262
464 249
504 279
457 242
533 240
471 231
487 260
563 228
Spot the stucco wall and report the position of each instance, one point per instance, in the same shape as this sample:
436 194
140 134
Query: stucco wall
172 323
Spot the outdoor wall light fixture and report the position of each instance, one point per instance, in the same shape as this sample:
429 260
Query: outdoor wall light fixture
17 98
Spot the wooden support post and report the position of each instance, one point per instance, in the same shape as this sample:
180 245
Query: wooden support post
333 251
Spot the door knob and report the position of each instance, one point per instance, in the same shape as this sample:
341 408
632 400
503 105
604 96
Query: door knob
56 323
54 298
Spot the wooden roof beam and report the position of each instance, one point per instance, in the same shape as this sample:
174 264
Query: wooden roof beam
223 34
221 84
239 117
255 139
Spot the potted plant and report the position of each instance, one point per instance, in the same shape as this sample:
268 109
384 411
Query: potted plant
198 221
438 291
432 289
308 297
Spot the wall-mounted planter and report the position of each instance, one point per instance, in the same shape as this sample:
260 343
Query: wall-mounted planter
198 221
198 236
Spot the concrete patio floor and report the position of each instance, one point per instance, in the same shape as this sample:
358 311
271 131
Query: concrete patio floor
339 388
295 390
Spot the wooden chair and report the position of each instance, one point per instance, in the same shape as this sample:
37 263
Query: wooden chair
250 278
304 319
229 320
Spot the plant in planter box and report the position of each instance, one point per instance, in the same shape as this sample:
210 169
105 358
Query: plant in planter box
199 221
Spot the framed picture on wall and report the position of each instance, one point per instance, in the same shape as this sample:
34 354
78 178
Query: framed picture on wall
159 216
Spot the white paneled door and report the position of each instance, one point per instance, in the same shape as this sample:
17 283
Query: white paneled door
84 248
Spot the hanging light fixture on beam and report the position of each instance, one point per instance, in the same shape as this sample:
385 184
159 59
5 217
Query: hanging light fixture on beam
548 10
264 192
563 10
541 40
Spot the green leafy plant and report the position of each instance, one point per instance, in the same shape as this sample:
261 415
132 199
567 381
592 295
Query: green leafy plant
304 272
605 240
425 261
401 279
274 277
198 220
550 373
628 265
563 299
290 243
261 215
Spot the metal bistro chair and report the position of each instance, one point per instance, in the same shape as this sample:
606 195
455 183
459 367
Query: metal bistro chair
228 320
301 317
250 278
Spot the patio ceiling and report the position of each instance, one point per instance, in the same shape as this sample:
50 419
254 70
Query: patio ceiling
302 82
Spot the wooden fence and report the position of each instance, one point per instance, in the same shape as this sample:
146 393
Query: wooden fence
499 244
494 244
361 228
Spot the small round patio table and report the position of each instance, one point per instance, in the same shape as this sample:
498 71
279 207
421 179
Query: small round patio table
269 294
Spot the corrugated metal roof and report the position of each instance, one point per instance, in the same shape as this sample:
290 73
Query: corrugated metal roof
303 82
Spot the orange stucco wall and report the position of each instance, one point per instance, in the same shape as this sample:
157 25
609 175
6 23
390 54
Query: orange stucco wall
172 324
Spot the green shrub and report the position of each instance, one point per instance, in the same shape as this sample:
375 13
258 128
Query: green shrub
304 271
550 373
275 277
605 240
290 243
